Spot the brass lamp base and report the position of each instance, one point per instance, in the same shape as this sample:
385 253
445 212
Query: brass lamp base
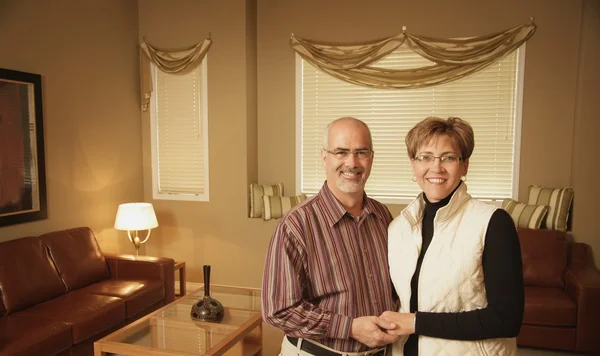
136 241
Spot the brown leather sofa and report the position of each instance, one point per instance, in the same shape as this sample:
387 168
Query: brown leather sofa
59 293
562 293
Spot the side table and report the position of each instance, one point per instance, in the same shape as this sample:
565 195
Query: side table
180 266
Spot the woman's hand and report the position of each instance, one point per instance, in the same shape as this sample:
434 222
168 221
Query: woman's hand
373 331
405 322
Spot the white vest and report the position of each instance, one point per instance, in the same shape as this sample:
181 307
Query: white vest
451 278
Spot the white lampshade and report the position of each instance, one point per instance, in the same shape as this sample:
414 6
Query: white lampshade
135 216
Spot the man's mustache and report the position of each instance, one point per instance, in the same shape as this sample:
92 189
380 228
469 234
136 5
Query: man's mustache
350 170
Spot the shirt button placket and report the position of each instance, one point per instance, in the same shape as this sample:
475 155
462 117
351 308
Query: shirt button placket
362 240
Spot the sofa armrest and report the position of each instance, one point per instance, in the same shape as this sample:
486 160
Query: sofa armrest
144 267
583 285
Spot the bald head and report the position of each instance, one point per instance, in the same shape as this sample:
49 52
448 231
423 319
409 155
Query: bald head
345 120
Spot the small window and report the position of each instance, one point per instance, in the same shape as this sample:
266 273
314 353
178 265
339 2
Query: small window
179 135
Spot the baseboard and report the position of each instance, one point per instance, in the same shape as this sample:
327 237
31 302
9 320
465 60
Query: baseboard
190 287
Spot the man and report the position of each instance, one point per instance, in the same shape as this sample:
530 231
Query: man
326 273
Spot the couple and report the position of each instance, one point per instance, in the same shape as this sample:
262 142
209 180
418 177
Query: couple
447 280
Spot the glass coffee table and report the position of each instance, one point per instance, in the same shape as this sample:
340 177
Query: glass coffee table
171 331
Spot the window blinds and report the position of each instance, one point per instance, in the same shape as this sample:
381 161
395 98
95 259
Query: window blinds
488 100
181 141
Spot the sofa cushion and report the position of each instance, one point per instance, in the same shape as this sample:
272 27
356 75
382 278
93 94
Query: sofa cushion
88 314
548 337
559 204
276 207
257 191
544 254
549 307
27 275
77 256
26 335
137 294
524 215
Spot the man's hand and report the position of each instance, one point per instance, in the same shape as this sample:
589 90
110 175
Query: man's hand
404 322
371 331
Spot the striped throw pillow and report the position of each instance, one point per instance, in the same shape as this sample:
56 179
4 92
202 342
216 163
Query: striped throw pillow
257 191
559 204
530 216
275 207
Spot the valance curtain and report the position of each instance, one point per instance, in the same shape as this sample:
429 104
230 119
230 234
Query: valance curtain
169 61
453 58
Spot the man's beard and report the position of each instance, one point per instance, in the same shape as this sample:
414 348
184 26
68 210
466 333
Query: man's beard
350 186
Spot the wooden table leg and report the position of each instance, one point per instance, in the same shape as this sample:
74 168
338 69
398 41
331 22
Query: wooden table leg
180 266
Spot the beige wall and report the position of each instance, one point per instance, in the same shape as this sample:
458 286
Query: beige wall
217 232
549 78
554 104
86 54
93 142
97 150
584 169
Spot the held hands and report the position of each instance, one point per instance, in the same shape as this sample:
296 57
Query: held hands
373 331
405 322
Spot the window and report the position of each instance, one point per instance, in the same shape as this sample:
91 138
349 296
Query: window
489 100
179 135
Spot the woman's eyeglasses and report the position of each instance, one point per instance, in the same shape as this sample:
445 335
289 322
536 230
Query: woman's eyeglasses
445 160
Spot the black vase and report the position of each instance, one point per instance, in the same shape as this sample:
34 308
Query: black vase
207 308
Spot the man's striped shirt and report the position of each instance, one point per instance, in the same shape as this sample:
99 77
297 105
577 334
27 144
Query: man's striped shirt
324 268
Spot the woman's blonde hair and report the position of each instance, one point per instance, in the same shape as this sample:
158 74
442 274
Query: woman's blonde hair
459 131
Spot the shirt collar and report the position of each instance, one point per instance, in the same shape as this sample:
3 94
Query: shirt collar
447 207
335 211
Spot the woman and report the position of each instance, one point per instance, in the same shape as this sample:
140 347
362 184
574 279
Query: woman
455 261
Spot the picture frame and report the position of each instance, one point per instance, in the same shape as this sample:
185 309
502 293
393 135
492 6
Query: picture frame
22 162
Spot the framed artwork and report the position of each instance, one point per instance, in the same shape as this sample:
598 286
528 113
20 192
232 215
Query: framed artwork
22 165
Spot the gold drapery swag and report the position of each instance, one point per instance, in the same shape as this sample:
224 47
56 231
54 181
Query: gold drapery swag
453 58
169 61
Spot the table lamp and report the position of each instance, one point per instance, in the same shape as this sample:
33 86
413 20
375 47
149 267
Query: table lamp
134 217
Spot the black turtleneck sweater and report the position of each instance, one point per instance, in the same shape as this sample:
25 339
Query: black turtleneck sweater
503 278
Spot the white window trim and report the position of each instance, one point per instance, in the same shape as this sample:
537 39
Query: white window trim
518 122
154 141
299 115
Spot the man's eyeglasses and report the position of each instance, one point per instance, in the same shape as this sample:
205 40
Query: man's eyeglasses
445 160
344 154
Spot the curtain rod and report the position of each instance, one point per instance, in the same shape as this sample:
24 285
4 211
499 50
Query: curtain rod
531 21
